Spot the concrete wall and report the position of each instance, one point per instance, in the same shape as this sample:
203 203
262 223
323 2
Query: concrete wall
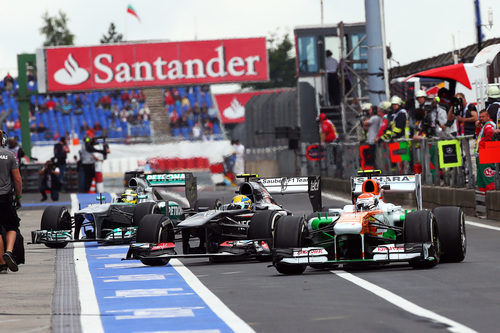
264 168
432 197
493 205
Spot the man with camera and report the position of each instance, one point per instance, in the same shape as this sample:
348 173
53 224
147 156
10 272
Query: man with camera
50 181
10 195
465 116
88 159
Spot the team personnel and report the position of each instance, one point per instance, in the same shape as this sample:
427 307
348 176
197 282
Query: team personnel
494 104
328 131
10 180
486 174
398 121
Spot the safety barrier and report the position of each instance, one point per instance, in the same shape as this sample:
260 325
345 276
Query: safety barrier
344 159
31 178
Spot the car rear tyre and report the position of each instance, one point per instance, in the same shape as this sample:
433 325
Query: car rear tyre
56 218
142 209
451 225
421 227
289 234
155 228
207 204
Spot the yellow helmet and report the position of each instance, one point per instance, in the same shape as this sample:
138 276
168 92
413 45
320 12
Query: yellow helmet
129 196
242 202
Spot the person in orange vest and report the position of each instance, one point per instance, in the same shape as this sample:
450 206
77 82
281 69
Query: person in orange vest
328 131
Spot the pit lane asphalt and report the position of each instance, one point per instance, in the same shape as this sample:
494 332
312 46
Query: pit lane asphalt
317 301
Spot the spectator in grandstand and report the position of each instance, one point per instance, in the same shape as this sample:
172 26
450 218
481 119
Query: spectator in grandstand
332 65
185 102
494 105
328 132
9 123
41 128
49 180
169 98
115 112
196 131
486 173
1 100
398 121
66 106
61 150
8 82
78 105
174 119
134 104
105 101
144 112
50 103
13 146
141 97
125 97
17 124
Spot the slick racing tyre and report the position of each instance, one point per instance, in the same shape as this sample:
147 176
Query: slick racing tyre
262 227
421 227
142 209
155 228
56 218
289 234
451 225
207 204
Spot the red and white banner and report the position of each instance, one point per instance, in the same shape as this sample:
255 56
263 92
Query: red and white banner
232 106
154 64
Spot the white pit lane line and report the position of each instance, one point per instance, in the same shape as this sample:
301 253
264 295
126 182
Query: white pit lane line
213 302
404 304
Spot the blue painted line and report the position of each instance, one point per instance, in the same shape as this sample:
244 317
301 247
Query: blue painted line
43 204
165 302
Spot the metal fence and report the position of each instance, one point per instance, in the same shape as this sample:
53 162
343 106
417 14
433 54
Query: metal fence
343 160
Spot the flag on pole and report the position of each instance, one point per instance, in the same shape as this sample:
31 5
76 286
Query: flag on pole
132 11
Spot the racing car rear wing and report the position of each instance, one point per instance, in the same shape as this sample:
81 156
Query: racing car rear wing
163 180
402 183
289 185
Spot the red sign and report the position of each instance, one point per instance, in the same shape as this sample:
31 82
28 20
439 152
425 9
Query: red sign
232 106
156 64
489 152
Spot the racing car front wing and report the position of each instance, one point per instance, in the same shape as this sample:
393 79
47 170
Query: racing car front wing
381 254
237 248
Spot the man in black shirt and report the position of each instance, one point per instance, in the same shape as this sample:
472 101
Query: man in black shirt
494 104
10 179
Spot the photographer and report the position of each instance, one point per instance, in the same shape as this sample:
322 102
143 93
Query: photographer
465 115
430 119
88 160
49 181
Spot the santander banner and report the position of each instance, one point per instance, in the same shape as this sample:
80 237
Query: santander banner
156 64
232 106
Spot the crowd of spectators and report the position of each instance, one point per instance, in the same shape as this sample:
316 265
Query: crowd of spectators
192 114
445 116
117 114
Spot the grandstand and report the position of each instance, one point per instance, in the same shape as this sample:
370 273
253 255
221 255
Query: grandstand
118 115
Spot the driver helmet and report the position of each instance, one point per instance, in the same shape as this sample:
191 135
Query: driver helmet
242 202
129 196
366 202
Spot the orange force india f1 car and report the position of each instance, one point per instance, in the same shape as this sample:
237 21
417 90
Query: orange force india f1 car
371 230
